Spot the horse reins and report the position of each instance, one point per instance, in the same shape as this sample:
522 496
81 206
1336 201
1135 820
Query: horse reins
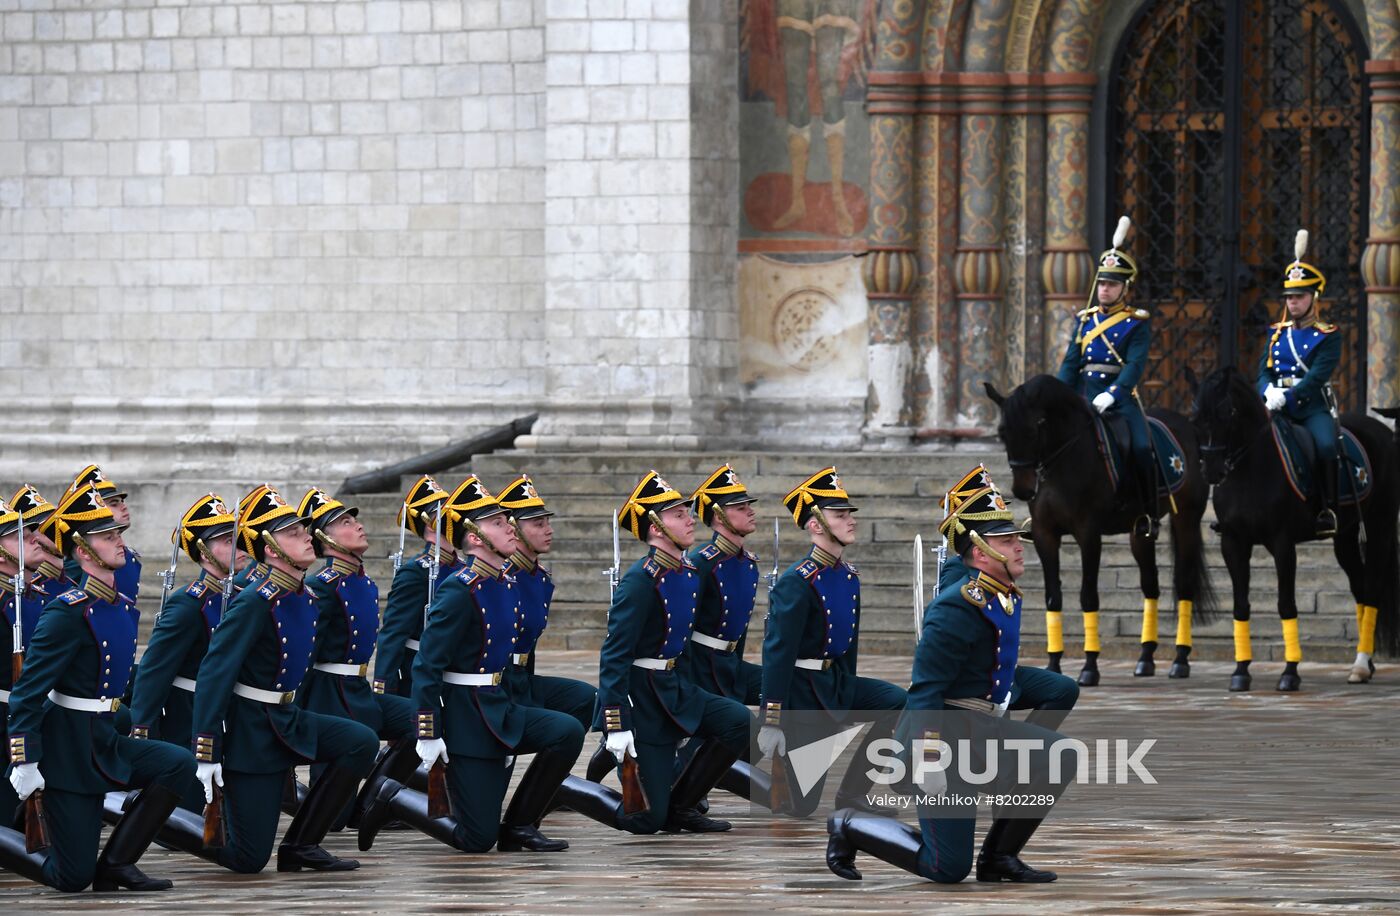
1043 465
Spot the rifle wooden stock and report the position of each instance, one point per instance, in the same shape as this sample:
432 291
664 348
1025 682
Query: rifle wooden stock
215 836
36 823
780 798
634 794
16 666
439 804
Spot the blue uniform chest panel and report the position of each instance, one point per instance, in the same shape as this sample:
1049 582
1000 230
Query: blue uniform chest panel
1008 627
127 578
499 601
294 616
536 591
113 628
359 596
1304 341
678 590
737 581
838 589
1099 350
213 609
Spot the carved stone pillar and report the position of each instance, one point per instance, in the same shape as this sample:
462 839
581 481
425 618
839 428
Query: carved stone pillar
979 271
1066 269
1380 264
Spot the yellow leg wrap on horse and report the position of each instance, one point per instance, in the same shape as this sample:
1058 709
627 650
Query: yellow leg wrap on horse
1292 649
1360 617
1367 638
1054 631
1183 622
1243 653
1091 631
1149 620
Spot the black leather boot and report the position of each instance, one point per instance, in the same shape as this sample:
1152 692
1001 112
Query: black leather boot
1327 518
116 867
324 803
394 800
600 803
114 805
519 828
13 857
748 782
184 830
398 762
600 764
882 837
999 859
711 761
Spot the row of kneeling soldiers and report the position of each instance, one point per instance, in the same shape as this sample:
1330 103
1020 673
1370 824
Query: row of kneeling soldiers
263 663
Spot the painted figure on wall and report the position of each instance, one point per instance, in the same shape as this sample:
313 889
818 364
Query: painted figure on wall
804 55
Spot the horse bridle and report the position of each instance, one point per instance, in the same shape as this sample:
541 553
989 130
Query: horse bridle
1044 464
1233 457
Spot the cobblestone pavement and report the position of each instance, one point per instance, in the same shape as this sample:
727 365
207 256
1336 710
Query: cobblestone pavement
1264 803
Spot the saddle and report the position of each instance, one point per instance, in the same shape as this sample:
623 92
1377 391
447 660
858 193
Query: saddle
1114 439
1298 455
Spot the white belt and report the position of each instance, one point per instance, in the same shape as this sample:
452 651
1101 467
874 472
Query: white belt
84 704
711 643
520 658
270 697
344 670
4 696
462 679
412 644
814 664
183 683
654 664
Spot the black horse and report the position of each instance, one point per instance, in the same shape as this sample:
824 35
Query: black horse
1057 467
1254 504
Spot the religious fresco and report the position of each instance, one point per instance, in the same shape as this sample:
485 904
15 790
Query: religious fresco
804 174
805 136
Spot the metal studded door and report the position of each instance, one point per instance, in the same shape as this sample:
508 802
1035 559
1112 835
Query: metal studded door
1234 123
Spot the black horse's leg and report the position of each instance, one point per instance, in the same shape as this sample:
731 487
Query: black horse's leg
1091 548
1236 551
1047 547
1188 572
1347 547
1286 564
1145 553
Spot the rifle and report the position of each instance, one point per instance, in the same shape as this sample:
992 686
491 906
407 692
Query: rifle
439 803
918 585
772 576
614 571
634 794
167 575
403 530
215 836
21 580
942 551
36 823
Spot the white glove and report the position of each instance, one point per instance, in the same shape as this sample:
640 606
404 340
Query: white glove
430 749
1274 399
771 741
26 779
621 744
933 783
1103 401
211 775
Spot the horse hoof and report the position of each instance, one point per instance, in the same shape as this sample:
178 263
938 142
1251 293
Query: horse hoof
1359 675
1180 670
1239 683
1289 683
1089 677
1146 667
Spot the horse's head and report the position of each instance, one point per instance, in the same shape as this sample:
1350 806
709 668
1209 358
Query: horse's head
1227 412
1031 422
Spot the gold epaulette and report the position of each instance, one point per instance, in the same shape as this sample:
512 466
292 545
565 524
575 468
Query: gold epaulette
1324 327
1141 313
1085 313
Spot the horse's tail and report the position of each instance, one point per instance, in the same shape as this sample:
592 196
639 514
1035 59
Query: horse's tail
1205 608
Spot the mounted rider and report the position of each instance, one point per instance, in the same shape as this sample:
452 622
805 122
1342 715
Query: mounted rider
1295 372
1105 362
